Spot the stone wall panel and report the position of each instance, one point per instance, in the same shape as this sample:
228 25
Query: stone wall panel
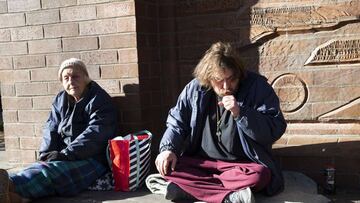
4 35
43 17
77 13
46 4
10 116
61 30
12 20
23 5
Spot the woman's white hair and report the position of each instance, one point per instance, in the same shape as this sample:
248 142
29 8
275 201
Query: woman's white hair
74 63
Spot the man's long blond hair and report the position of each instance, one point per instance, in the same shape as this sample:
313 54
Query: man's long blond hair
219 56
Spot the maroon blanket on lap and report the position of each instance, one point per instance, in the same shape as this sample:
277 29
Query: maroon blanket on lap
212 180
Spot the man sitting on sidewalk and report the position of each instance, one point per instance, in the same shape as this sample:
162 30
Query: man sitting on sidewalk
72 154
217 145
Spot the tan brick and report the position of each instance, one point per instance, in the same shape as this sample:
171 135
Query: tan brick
3 7
80 43
110 86
107 26
15 76
5 35
43 102
45 46
13 156
12 20
99 57
23 5
54 87
15 103
119 71
57 3
116 9
31 89
128 56
94 71
44 74
12 142
43 17
19 129
13 48
28 156
92 1
30 142
7 90
118 41
31 116
78 13
29 61
10 116
57 59
26 33
310 140
98 27
39 127
61 30
6 63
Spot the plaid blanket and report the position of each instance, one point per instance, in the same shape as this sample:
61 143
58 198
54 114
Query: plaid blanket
63 178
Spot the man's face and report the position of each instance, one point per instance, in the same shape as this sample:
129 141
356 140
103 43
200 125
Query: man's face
74 82
224 82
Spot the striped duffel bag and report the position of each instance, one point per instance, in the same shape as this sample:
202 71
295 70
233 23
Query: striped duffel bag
129 159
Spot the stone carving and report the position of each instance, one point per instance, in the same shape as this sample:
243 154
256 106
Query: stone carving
347 112
336 51
292 92
187 7
268 20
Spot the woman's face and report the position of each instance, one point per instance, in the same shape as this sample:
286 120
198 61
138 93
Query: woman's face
74 82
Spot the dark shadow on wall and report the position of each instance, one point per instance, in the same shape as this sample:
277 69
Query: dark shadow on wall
132 117
312 160
128 108
188 28
198 24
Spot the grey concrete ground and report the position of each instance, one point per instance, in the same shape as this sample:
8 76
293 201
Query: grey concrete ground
298 188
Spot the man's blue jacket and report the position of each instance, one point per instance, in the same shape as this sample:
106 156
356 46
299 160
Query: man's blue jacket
259 124
88 127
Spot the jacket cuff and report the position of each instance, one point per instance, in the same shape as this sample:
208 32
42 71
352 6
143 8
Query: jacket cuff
169 148
69 155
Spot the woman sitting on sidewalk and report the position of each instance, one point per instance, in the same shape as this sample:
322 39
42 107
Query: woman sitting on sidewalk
72 153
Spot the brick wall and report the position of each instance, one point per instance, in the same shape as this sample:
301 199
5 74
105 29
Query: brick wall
36 36
143 53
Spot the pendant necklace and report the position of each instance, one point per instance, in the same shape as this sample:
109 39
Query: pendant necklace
218 123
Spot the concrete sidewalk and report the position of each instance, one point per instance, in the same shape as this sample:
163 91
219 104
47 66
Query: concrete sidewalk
298 188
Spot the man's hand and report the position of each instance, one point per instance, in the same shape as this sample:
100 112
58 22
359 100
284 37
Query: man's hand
229 102
164 161
53 156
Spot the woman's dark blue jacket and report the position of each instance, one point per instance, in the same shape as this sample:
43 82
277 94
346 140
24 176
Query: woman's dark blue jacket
88 127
